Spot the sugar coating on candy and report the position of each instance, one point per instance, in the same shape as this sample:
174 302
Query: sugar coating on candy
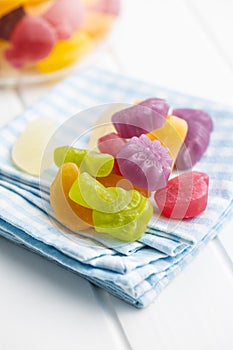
171 135
111 143
96 164
32 39
66 17
185 196
9 21
197 139
90 193
128 224
145 163
68 212
141 118
28 150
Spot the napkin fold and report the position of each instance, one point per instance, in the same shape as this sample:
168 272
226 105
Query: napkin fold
138 271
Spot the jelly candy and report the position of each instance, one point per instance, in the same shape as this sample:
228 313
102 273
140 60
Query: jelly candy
67 154
66 53
197 140
141 118
111 144
68 212
66 17
97 25
185 196
38 9
9 21
115 180
128 224
32 39
145 163
91 194
171 135
8 6
28 150
96 164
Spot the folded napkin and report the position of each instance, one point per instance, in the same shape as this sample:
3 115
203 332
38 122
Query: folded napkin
135 272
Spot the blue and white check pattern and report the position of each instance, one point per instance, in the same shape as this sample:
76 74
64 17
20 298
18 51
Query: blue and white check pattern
135 272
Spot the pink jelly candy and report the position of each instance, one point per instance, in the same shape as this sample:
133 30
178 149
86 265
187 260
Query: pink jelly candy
32 40
66 16
197 139
141 118
185 196
9 21
111 7
111 143
145 163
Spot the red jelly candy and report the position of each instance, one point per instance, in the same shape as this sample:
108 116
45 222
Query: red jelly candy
32 39
185 196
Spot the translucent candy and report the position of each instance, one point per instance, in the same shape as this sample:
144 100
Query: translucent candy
128 224
9 21
97 25
38 9
171 135
68 212
9 5
145 163
90 193
28 150
197 140
96 164
111 144
32 39
66 17
114 180
185 196
66 53
141 118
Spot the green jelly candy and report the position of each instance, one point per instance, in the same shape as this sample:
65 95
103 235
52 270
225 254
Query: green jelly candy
97 164
90 193
67 154
128 224
94 163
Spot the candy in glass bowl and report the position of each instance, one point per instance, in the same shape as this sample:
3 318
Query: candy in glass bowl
40 39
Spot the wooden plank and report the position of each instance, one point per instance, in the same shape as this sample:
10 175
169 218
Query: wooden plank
195 311
44 306
162 42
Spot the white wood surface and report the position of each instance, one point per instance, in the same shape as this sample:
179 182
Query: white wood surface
186 46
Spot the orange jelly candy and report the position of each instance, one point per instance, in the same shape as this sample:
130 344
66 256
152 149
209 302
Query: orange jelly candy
114 180
71 214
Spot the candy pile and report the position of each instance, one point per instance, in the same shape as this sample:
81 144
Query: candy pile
110 190
52 34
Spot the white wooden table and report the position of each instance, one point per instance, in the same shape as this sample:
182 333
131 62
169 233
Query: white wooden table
185 45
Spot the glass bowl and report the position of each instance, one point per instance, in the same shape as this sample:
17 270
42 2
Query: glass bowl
45 39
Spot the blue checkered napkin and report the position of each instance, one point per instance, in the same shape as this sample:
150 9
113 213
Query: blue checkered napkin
134 271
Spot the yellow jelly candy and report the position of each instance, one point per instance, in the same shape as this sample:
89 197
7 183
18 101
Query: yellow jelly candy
68 212
171 135
37 9
28 150
9 5
97 24
66 53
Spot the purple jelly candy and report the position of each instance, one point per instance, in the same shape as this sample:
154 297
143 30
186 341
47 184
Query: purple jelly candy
197 139
9 21
145 163
141 118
